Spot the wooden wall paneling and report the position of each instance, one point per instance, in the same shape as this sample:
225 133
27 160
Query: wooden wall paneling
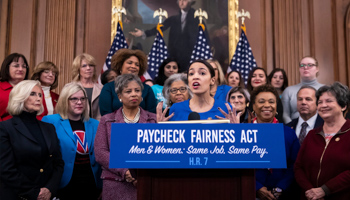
335 40
323 40
60 37
263 34
347 48
254 31
21 28
269 35
40 31
32 52
340 15
80 28
5 20
98 30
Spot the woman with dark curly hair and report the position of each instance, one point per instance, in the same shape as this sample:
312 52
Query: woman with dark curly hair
322 168
127 61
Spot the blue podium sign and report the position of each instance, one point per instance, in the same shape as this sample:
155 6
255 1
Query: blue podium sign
197 146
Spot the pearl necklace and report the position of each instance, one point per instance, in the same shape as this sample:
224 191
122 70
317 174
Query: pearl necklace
135 120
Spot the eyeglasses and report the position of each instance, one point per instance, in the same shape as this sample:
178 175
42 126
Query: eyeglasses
90 65
18 65
47 71
76 100
174 90
309 65
238 97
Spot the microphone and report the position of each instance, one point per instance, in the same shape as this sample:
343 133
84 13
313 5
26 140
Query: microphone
194 116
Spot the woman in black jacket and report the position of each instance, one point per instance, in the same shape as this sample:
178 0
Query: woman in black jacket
31 164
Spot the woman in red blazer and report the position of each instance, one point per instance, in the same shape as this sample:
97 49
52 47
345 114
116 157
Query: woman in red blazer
322 168
47 73
14 69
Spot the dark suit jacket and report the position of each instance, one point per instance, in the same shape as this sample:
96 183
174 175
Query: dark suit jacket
23 172
294 122
180 43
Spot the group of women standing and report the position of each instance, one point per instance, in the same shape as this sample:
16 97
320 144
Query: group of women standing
66 154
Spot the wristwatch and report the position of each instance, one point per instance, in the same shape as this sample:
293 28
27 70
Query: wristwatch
277 189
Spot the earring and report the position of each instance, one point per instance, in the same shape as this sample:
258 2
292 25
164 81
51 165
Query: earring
276 113
141 98
120 100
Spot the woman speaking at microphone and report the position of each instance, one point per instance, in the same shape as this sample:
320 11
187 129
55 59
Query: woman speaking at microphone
119 183
201 77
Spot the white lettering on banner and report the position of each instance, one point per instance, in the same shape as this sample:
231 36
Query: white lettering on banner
248 136
234 150
261 151
212 136
160 136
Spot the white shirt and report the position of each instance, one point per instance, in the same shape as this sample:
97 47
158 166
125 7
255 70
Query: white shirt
183 19
48 99
310 124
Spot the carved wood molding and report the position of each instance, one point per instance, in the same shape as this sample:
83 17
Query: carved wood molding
347 47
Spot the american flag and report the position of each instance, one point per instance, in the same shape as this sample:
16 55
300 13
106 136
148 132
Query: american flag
158 53
201 49
243 59
119 42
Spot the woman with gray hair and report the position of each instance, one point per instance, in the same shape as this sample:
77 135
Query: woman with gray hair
176 89
30 157
119 183
76 132
322 168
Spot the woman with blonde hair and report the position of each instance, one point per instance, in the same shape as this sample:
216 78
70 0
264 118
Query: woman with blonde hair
84 73
219 90
30 157
47 73
76 132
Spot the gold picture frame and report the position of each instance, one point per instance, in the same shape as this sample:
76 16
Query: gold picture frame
233 23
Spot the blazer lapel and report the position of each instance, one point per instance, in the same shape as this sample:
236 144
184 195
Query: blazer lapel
21 128
45 130
68 129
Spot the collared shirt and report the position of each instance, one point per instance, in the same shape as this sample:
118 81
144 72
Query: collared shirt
183 19
310 124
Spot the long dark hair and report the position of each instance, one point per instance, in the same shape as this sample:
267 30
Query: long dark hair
285 78
161 78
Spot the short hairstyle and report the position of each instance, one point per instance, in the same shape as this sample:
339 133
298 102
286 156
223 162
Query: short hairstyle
241 82
77 64
5 66
105 77
122 82
338 90
171 80
285 78
263 88
237 89
210 68
41 67
121 55
249 84
19 94
306 87
161 76
62 106
221 75
316 62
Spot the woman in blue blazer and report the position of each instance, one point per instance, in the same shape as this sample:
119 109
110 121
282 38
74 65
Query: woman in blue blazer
76 133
